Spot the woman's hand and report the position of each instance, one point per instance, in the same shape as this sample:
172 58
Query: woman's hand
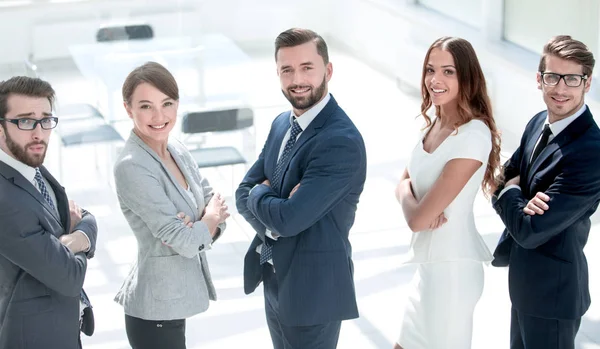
438 222
215 213
187 220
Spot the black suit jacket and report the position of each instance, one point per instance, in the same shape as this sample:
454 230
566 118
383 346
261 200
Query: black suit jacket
40 279
313 256
548 272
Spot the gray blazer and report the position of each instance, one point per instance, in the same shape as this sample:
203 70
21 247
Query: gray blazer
170 279
40 279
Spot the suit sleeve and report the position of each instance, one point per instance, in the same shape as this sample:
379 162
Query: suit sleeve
204 185
38 252
573 194
90 228
255 175
328 179
143 194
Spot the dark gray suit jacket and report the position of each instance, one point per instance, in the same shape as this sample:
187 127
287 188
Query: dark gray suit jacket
40 279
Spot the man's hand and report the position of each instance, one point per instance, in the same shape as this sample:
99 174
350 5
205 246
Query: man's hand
294 190
76 241
75 212
266 182
537 205
514 181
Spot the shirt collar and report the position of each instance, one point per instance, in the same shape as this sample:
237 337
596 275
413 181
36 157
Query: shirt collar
558 126
305 119
26 171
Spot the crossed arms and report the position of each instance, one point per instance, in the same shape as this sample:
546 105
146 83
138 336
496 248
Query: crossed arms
328 178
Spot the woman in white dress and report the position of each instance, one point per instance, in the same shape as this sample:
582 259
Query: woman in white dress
459 151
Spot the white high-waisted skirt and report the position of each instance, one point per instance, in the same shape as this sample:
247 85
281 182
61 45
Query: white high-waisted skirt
439 311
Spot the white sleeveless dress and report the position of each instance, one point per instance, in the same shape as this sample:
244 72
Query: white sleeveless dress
449 280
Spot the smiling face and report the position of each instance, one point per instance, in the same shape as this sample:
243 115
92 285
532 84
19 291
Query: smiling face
441 79
26 146
153 113
562 100
303 75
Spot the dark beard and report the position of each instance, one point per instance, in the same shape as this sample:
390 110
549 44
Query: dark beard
21 153
306 103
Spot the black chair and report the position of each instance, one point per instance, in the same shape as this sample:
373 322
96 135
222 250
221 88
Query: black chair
217 121
124 33
84 124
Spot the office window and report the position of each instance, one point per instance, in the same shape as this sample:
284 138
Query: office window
466 11
531 23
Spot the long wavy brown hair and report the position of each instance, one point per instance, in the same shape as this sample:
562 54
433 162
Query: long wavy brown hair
473 101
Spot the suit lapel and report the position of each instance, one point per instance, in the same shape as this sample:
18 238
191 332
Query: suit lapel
62 202
312 129
572 132
530 145
177 156
281 128
13 175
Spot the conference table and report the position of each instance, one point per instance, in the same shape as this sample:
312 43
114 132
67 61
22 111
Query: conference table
208 70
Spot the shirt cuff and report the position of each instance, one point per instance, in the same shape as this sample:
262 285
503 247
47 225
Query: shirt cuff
88 240
271 234
512 186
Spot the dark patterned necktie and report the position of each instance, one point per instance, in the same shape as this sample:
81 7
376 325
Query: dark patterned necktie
542 143
42 188
44 191
266 252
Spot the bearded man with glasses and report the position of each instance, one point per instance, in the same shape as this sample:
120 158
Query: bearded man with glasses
45 239
552 189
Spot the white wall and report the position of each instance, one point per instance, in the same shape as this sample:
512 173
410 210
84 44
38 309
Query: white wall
395 35
44 31
391 35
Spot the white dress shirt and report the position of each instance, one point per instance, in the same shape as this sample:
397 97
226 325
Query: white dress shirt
303 121
555 128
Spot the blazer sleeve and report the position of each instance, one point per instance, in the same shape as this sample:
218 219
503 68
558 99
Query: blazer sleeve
140 191
90 228
573 193
255 176
328 179
207 190
38 252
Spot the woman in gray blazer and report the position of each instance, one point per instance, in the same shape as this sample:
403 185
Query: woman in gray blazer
172 212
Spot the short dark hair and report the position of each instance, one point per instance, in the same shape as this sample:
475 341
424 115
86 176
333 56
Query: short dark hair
26 86
154 74
565 47
298 36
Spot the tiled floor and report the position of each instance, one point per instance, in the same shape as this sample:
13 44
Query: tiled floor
380 237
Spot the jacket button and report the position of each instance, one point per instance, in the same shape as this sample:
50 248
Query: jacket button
201 247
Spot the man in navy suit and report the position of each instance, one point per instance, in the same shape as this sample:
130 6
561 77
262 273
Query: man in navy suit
301 196
552 190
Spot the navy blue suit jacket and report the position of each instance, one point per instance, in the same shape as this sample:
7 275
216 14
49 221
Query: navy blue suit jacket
548 271
40 279
312 257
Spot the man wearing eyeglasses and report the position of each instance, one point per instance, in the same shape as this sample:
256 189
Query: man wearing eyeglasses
552 190
45 239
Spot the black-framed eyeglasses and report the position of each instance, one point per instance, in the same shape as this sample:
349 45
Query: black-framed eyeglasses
571 80
28 124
